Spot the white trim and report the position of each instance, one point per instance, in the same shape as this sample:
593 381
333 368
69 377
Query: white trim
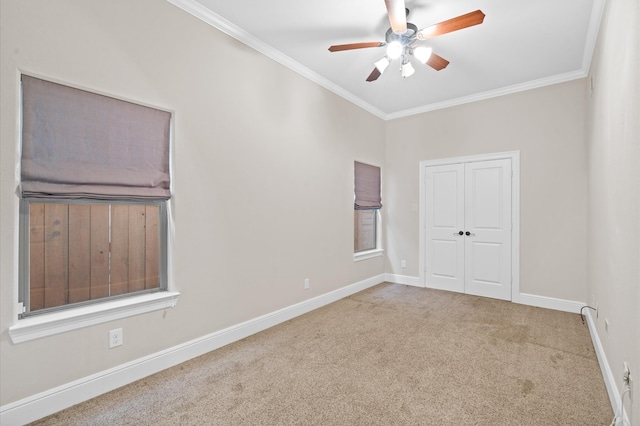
514 156
53 400
597 11
38 326
471 158
523 298
548 302
368 254
509 90
609 380
403 279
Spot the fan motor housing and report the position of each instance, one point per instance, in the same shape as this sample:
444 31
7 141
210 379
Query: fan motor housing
405 38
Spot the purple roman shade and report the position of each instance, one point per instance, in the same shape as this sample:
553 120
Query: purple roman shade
78 144
367 187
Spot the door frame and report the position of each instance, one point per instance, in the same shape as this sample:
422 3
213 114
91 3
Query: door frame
514 156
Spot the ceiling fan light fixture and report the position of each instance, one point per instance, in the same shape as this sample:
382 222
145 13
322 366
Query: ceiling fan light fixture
407 69
382 64
394 49
401 37
422 53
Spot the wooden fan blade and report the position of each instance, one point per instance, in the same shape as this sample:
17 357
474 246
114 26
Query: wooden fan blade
374 75
351 46
397 15
437 62
463 21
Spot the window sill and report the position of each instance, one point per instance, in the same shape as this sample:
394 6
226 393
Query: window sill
362 255
59 322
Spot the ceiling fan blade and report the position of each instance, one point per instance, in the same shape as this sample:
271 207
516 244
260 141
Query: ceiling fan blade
397 15
351 46
463 21
437 62
374 75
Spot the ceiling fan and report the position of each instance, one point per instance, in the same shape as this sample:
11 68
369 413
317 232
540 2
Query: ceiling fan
402 40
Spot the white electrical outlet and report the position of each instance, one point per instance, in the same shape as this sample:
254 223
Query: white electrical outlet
306 283
115 338
403 263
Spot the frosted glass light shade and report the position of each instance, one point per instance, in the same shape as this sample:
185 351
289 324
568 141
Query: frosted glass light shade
394 50
422 53
407 69
382 64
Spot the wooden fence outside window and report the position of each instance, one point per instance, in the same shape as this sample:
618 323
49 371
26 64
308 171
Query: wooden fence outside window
81 252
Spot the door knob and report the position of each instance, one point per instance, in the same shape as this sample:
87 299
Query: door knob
469 233
458 233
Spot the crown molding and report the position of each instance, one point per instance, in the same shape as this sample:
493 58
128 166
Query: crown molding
533 84
206 15
597 11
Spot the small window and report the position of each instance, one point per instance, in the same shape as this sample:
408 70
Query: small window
368 203
365 225
94 188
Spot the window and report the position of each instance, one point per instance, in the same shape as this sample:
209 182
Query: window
81 252
365 225
368 202
94 189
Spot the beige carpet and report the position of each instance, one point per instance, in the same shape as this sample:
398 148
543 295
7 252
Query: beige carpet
390 355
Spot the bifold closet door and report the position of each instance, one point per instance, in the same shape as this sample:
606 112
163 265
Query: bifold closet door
468 228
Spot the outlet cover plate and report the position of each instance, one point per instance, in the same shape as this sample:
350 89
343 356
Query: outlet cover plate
115 338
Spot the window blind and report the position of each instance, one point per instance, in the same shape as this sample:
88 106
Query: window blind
78 144
367 187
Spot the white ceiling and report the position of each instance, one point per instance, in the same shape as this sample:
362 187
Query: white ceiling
521 44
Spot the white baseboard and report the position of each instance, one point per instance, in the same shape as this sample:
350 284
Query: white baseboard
403 279
548 302
605 367
522 298
53 400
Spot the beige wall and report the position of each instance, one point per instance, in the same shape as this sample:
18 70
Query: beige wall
263 174
547 125
614 190
261 153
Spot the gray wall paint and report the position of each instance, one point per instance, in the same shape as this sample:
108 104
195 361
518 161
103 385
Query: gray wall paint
614 190
263 174
547 125
250 146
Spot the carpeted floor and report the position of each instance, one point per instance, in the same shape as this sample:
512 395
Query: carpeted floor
390 355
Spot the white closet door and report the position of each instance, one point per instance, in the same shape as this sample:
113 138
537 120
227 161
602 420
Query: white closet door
468 228
488 221
444 221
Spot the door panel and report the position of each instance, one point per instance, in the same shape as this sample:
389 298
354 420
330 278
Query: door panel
472 197
485 262
445 217
485 197
445 259
488 219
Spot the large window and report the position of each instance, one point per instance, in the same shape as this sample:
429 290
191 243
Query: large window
94 188
83 252
367 205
